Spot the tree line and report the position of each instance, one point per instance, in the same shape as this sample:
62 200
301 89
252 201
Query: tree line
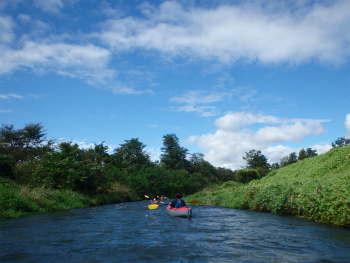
28 157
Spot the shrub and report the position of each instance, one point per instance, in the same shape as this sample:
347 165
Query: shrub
247 175
7 164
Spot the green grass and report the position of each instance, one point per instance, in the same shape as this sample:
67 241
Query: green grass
316 189
18 200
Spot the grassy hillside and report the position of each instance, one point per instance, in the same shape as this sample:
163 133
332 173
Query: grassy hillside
316 189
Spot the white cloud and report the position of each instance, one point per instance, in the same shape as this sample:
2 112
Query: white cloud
239 132
321 148
232 121
86 62
6 30
153 153
204 111
229 33
6 111
347 125
122 88
289 132
199 97
52 6
249 31
9 96
276 153
198 100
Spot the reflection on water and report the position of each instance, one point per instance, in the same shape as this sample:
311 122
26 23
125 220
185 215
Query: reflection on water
130 232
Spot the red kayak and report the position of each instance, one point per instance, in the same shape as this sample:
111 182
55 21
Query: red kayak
180 212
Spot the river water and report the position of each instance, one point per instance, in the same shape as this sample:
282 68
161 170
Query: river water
130 232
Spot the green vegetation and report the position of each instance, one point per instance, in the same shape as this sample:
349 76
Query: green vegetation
315 188
40 175
19 200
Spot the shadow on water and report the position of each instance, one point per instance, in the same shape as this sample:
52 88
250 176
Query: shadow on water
130 232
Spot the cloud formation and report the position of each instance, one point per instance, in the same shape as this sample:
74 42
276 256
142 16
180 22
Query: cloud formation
198 101
239 132
249 31
10 96
265 32
51 6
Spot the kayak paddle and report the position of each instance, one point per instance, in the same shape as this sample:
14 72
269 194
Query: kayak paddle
153 206
156 206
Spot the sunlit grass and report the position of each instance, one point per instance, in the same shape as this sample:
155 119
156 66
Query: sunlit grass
17 200
316 189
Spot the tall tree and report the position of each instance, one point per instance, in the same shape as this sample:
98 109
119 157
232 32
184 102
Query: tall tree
302 154
131 153
24 144
311 153
340 142
275 166
173 156
99 153
256 160
204 168
288 160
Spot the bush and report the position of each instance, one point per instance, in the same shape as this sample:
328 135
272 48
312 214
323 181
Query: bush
7 164
247 175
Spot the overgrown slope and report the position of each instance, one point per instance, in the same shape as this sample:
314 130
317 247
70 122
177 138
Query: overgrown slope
315 188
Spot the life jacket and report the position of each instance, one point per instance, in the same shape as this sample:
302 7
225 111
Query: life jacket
179 204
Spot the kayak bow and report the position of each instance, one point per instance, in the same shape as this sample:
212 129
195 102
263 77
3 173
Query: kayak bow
179 212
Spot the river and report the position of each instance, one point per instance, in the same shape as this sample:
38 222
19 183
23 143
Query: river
130 232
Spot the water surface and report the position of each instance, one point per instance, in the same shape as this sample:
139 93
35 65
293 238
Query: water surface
130 232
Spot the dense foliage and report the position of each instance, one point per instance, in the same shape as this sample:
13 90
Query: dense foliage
33 162
24 144
316 188
38 175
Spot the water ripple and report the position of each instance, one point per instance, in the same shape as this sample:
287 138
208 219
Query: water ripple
129 232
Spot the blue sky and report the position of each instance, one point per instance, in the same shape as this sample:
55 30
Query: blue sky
224 76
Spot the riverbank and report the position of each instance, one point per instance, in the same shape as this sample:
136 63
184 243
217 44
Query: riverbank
316 189
20 200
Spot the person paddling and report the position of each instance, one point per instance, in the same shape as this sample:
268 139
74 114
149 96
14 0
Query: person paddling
178 202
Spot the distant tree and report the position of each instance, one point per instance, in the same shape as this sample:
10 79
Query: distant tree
340 142
311 153
101 151
24 144
256 160
302 154
225 174
275 166
284 161
196 158
208 173
173 156
131 153
288 160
